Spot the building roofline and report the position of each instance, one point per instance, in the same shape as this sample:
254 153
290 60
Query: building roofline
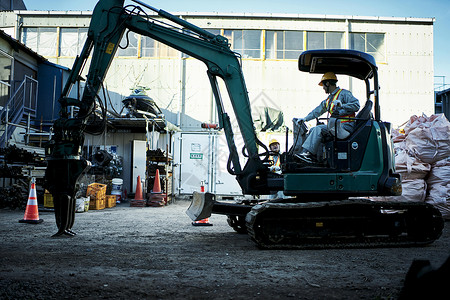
16 45
249 15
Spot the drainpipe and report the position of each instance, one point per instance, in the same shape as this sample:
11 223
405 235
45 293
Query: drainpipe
347 46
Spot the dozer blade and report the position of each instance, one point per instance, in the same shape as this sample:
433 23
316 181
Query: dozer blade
358 223
201 206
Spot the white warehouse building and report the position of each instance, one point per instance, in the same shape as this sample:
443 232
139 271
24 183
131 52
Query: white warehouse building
269 45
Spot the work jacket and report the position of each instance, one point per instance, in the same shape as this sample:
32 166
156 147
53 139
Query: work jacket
350 105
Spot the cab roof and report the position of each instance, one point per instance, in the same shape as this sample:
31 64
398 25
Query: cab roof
347 62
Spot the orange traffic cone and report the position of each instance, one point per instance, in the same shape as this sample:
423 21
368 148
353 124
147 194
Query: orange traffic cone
138 198
157 183
31 215
203 222
157 198
138 194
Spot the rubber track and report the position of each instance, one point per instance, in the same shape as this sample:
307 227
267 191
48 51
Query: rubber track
266 218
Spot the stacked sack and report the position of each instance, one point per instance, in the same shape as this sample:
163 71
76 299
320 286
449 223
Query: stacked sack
422 157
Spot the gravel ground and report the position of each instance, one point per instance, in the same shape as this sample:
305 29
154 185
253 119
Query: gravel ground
155 253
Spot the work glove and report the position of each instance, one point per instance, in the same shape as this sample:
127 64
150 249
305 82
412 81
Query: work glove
274 168
298 121
338 111
337 103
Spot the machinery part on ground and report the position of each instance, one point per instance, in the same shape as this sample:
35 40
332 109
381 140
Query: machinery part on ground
425 282
61 176
201 206
343 224
237 223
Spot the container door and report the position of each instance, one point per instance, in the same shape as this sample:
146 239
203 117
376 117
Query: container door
195 162
225 183
204 159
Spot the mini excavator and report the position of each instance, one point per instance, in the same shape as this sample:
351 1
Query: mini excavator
324 207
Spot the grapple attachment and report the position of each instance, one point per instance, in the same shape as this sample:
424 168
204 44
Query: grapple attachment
201 206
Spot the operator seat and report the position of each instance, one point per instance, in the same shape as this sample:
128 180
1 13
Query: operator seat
347 154
361 118
363 115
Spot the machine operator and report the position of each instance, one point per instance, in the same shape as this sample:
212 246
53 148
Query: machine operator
274 147
339 103
275 157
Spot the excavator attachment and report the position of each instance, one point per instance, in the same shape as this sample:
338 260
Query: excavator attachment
201 206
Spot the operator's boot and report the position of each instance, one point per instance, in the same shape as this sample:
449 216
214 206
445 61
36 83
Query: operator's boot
306 157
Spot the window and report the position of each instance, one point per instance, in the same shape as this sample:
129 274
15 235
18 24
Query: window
245 42
283 44
315 40
130 41
148 46
152 48
72 41
42 40
29 37
324 40
371 43
166 51
5 77
214 31
334 40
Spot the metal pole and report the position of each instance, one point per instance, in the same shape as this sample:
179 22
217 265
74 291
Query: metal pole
24 91
31 95
27 139
6 125
54 97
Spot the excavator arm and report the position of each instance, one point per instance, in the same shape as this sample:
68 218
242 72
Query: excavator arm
110 20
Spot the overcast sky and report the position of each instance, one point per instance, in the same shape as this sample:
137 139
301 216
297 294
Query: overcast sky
438 9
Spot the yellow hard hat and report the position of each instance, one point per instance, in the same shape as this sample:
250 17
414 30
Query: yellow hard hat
327 76
273 141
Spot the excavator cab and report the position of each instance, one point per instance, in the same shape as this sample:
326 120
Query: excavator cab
361 164
346 154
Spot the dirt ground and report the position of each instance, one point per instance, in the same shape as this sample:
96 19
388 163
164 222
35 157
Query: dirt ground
155 253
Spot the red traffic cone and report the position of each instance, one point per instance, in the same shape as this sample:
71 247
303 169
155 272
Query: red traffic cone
202 186
31 215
